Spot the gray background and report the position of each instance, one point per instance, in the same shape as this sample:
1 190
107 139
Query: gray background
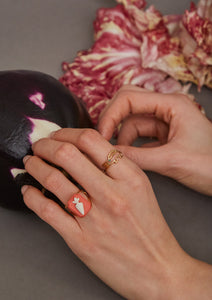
35 263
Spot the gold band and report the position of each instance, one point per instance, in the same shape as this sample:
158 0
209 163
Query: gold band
113 157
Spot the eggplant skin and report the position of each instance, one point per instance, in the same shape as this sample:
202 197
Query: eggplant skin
27 95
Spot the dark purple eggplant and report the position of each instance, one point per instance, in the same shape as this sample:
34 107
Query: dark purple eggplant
32 104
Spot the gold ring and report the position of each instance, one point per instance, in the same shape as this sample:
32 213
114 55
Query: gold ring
113 157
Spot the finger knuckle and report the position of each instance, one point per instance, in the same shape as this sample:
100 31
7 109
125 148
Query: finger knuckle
140 180
64 152
51 181
119 206
86 137
48 211
137 178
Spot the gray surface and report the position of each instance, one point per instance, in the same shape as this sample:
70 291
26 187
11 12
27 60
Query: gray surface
35 263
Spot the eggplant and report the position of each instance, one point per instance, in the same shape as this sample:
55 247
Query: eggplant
32 104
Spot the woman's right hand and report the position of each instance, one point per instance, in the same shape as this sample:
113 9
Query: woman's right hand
124 238
184 149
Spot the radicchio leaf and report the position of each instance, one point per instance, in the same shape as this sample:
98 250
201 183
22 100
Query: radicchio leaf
196 41
132 45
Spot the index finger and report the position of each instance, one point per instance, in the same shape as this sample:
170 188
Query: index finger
135 100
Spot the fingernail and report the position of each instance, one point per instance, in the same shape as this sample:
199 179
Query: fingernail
25 159
24 188
52 134
102 132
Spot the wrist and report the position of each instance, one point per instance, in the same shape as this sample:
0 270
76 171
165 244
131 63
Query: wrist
174 276
168 279
206 175
193 171
186 279
201 180
190 279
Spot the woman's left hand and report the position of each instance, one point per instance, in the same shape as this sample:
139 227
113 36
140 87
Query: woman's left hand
124 238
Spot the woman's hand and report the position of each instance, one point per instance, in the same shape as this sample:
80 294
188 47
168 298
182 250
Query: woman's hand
184 147
124 238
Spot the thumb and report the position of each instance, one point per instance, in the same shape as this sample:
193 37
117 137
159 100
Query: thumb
155 159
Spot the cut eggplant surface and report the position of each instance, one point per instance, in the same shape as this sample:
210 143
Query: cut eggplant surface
32 105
